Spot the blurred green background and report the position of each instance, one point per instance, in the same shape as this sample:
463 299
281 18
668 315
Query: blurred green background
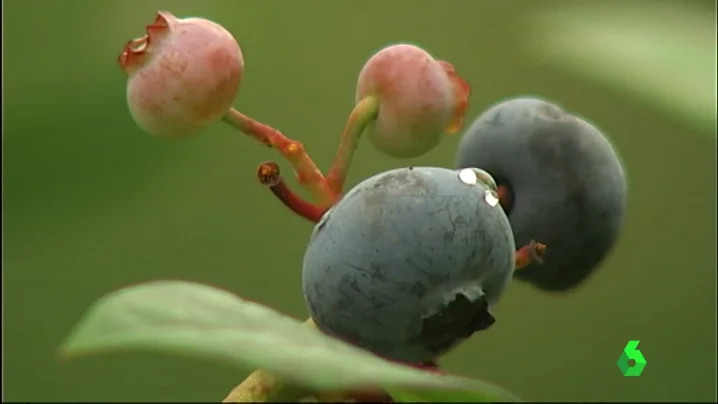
92 204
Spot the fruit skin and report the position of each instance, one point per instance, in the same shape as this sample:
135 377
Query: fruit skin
567 183
400 247
183 75
420 99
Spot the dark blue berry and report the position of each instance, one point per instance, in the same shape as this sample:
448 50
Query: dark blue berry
563 185
409 262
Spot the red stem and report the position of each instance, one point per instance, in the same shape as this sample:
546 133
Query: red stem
269 174
308 175
528 254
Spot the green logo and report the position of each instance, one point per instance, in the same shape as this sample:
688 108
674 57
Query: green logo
631 353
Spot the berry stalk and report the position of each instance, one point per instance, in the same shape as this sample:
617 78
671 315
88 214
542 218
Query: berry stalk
264 387
269 174
364 112
528 254
505 197
307 172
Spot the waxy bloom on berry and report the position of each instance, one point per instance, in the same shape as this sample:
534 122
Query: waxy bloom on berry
420 99
183 75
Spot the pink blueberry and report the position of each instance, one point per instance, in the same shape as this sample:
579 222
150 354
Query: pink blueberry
182 76
420 98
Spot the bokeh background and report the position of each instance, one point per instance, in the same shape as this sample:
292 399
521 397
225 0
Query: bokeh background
91 203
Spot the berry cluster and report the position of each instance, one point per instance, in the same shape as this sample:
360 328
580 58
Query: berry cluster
408 263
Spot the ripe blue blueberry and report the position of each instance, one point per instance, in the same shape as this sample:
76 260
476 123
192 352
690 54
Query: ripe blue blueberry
560 180
409 262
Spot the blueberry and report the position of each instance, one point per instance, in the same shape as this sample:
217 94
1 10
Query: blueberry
409 262
560 180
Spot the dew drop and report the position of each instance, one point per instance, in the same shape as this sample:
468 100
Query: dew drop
491 197
468 176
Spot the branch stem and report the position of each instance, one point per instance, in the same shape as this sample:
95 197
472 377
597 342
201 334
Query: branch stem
528 254
270 175
364 112
264 387
309 176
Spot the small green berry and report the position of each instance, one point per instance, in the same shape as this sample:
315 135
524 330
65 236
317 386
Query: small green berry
420 99
183 75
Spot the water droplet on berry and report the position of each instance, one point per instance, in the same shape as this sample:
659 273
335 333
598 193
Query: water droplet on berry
491 197
468 176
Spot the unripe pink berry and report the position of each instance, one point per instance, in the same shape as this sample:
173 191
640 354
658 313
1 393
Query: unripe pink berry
183 75
420 99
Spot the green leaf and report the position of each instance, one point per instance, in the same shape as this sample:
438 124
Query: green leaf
203 321
663 55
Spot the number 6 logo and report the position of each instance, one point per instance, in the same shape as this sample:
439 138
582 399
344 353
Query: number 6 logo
630 352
